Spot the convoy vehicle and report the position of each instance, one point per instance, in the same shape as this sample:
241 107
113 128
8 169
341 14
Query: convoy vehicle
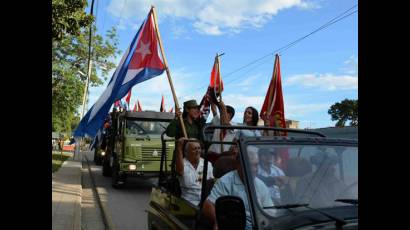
320 192
134 145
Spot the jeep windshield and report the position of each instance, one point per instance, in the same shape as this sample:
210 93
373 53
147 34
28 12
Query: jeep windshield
145 128
319 176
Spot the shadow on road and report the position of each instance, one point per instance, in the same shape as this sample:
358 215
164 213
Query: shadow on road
140 184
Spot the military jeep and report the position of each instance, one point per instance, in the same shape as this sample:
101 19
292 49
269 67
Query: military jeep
134 146
321 190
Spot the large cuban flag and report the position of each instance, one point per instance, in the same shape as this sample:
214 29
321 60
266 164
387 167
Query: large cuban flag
140 62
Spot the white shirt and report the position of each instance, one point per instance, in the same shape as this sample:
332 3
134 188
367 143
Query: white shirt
249 132
274 172
191 181
230 135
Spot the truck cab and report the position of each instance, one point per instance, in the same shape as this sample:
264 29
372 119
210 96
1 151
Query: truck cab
134 146
319 188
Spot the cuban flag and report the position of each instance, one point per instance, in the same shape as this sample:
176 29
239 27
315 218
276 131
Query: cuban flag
140 62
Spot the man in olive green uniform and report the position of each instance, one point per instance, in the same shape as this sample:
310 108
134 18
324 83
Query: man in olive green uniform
192 121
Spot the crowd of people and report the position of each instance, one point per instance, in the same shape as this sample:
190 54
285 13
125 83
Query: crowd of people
224 169
225 172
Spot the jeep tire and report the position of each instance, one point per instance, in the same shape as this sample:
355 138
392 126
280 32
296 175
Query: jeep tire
97 158
117 180
106 169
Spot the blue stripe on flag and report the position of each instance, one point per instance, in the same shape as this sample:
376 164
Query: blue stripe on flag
94 118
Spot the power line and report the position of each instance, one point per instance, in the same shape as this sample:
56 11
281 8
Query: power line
245 74
287 46
281 50
284 48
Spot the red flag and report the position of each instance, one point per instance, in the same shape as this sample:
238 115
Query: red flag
162 108
135 107
214 90
139 107
171 110
216 79
273 108
128 97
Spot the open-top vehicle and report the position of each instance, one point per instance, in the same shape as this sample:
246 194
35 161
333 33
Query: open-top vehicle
320 189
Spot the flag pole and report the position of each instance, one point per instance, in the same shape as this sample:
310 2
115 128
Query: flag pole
220 96
167 71
275 73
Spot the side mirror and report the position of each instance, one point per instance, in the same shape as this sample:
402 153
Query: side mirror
230 213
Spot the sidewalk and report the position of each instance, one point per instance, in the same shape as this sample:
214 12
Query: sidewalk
67 190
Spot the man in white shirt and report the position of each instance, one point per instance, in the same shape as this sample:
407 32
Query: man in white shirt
269 173
227 112
190 169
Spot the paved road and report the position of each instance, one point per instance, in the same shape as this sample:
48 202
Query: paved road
126 206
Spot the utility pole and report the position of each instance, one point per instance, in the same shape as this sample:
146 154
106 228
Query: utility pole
89 66
87 82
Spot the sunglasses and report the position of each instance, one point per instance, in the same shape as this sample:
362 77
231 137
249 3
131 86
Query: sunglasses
197 148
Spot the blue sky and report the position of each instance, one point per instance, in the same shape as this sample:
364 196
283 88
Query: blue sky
316 73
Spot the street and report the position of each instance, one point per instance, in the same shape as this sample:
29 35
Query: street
126 206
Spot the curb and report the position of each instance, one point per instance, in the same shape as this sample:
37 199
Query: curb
67 217
104 209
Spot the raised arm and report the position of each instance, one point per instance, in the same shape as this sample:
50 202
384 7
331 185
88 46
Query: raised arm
179 163
224 113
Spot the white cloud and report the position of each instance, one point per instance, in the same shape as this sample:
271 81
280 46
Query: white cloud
300 110
324 81
212 17
351 65
248 81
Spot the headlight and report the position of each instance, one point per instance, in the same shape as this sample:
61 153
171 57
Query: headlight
132 167
102 153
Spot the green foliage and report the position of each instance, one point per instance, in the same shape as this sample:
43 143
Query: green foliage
70 57
58 159
68 17
344 111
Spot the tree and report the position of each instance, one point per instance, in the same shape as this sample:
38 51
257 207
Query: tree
69 59
68 18
344 111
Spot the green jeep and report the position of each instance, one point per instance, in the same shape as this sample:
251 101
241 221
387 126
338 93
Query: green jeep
315 166
134 146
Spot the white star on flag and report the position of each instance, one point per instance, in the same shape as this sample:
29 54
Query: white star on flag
144 49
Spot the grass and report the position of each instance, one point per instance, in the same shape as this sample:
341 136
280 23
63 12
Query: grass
57 161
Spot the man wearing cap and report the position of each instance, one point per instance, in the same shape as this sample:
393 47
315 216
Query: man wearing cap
192 122
268 172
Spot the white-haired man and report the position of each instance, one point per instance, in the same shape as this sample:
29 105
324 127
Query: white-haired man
190 169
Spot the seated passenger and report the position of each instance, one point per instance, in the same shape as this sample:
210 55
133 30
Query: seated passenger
232 184
190 169
226 162
268 172
298 167
321 188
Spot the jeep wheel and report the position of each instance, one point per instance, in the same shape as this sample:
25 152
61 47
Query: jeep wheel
97 158
117 181
99 161
106 169
95 155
